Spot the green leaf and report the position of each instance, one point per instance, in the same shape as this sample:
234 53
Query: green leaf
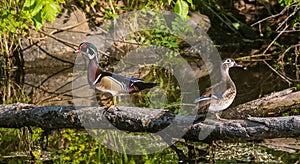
236 25
38 11
167 1
33 6
38 6
286 2
50 10
298 86
191 3
182 8
38 21
28 3
60 1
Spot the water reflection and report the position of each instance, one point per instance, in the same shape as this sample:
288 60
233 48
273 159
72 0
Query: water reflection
256 81
11 83
53 86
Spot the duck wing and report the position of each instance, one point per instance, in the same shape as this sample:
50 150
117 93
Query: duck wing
116 83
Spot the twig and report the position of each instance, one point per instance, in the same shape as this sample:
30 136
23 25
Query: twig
289 31
57 30
112 7
55 57
296 5
250 57
287 50
296 59
286 19
70 44
124 41
272 16
53 96
279 74
276 15
221 18
74 31
275 39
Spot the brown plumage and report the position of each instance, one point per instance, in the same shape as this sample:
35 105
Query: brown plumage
219 96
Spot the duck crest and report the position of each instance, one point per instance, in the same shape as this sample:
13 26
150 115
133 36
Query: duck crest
105 81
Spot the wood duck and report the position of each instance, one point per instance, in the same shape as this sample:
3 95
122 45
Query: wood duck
107 81
219 96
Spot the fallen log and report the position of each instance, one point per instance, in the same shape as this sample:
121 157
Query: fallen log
272 105
133 119
254 128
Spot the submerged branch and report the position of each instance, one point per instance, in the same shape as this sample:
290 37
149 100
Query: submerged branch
134 119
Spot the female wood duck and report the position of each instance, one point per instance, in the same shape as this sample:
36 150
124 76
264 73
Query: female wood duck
219 96
107 81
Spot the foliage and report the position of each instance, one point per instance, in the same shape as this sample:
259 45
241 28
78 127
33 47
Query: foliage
182 8
112 8
286 54
38 11
73 146
286 2
17 17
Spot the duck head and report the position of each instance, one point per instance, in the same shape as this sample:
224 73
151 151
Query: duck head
93 69
228 63
89 49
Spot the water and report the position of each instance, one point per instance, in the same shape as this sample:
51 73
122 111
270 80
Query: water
53 86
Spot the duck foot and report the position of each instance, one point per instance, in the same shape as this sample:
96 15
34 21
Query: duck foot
220 119
112 109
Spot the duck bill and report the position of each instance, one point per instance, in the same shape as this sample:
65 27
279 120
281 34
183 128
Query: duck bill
238 65
77 51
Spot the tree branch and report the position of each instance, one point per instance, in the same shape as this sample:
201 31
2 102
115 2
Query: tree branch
134 119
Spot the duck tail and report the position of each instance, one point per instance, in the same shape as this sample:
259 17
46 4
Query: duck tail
150 85
202 98
143 85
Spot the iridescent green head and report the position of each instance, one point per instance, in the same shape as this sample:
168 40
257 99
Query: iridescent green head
89 49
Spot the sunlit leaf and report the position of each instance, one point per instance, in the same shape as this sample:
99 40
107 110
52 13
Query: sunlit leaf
38 21
181 8
191 3
37 7
50 10
28 3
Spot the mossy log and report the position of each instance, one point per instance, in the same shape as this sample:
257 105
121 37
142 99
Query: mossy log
134 119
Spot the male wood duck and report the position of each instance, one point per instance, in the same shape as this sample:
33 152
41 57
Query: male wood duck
219 96
107 81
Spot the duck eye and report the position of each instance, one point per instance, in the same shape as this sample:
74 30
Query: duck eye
228 61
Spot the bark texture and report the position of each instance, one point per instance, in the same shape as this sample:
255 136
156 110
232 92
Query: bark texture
133 119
